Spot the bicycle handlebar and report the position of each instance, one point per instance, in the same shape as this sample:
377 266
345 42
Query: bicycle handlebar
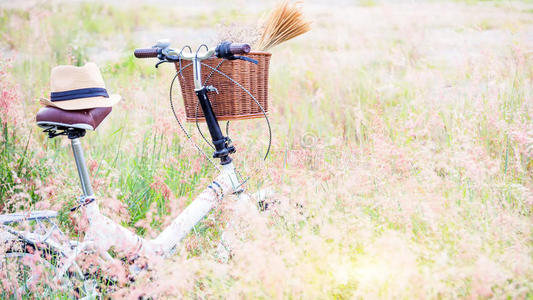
228 50
236 48
146 52
223 50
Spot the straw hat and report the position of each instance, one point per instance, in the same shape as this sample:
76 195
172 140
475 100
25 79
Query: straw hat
73 88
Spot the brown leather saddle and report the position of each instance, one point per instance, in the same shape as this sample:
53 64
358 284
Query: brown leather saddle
50 117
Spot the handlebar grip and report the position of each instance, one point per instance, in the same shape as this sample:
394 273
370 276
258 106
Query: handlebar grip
146 52
238 48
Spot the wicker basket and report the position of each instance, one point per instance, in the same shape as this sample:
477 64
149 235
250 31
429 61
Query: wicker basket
231 102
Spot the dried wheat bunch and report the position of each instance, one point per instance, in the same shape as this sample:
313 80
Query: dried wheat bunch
284 23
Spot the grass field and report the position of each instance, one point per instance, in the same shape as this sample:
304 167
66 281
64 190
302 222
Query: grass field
402 157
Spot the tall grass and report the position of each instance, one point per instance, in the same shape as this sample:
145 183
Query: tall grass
402 158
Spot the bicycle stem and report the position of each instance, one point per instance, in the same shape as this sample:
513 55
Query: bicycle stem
197 71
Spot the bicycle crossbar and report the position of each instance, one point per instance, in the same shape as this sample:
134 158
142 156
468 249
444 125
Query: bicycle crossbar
27 216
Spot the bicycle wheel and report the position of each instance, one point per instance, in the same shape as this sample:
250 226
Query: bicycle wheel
29 272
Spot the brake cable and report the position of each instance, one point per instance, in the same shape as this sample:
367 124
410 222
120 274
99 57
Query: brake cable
179 122
213 70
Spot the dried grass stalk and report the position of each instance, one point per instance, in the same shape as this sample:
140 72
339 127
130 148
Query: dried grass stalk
238 33
284 23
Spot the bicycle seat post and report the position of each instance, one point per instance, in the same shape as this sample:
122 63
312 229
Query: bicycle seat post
81 166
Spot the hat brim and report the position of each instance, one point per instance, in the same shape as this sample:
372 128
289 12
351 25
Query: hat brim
84 103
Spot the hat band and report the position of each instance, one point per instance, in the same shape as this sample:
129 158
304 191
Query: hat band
77 94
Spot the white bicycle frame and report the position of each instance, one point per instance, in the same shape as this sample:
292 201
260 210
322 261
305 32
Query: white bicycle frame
103 233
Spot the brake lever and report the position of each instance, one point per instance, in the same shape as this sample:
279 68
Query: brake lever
245 58
160 62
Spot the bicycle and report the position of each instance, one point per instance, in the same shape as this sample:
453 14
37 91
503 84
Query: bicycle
102 232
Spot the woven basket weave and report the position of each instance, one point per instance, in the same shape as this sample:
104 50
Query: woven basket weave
231 102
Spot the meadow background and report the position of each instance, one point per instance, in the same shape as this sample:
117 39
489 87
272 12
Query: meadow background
402 158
